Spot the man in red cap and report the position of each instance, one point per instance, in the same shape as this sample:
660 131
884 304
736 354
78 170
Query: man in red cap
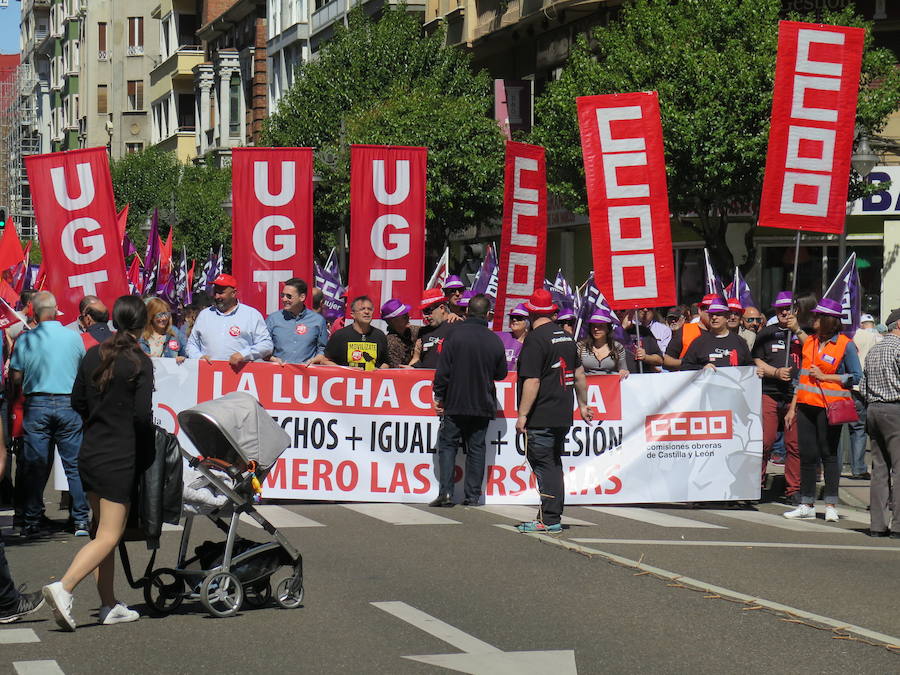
683 337
229 331
435 308
718 346
548 370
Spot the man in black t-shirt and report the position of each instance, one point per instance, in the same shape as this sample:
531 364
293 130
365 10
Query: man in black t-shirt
359 345
777 370
436 310
718 346
548 370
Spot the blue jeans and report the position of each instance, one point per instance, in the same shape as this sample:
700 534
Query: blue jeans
457 429
50 420
858 437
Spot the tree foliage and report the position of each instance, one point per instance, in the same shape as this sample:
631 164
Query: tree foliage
713 64
202 222
146 180
384 82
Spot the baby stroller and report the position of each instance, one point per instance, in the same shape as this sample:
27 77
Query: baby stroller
237 442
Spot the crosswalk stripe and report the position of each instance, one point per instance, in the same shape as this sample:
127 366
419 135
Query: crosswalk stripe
654 517
280 517
734 544
525 513
400 514
779 521
15 636
48 667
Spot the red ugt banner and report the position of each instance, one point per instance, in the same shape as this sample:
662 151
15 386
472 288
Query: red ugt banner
387 224
811 135
272 222
628 202
523 242
76 215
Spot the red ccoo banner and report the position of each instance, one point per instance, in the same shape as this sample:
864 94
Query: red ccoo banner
76 216
387 230
272 225
811 135
523 242
625 172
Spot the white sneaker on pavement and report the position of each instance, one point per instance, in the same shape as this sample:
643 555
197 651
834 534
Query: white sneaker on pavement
120 613
831 514
60 600
804 512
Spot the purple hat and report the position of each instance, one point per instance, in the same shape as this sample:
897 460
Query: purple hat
519 310
829 307
601 315
453 283
394 308
566 314
718 305
464 298
783 299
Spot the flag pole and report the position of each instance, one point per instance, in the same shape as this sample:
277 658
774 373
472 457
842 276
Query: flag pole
787 347
637 336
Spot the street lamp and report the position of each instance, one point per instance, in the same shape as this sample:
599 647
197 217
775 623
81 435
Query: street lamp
864 159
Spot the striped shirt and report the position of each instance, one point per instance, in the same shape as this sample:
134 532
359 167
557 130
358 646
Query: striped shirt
881 377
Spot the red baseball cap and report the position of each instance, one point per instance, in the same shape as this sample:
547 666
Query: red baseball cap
433 296
541 302
225 280
734 304
708 299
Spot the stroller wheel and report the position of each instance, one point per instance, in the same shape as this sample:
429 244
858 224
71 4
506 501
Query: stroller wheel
289 593
164 591
221 594
258 594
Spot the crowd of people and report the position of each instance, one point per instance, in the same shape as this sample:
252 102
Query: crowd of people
68 385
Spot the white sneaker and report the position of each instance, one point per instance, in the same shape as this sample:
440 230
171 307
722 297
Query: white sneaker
804 512
119 614
60 600
831 514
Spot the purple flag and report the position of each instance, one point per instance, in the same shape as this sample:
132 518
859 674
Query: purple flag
215 269
591 299
151 256
333 292
201 281
845 290
560 290
333 267
713 282
486 280
182 294
128 248
740 289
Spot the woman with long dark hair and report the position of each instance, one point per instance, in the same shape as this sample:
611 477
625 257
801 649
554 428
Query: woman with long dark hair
112 392
828 371
600 353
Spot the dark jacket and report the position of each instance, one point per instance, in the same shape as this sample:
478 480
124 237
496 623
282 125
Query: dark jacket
158 488
472 358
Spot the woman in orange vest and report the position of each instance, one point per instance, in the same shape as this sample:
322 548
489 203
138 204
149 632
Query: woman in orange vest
828 371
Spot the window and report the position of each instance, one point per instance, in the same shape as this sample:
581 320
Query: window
234 107
131 148
135 35
102 52
102 100
135 94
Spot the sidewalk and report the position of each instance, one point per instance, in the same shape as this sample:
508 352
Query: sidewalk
852 493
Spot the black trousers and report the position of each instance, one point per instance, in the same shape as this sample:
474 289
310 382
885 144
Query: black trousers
818 441
544 453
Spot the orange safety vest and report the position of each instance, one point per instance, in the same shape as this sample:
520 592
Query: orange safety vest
689 333
816 392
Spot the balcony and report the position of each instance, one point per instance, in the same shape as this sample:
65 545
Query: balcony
135 50
103 54
328 14
183 143
174 70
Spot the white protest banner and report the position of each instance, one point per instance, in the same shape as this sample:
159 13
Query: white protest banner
371 436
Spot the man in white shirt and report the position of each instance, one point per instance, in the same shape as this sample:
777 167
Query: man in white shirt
229 331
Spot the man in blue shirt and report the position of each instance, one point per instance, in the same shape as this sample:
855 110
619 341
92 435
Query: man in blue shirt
298 334
44 362
229 331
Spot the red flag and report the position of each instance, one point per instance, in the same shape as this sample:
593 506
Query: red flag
272 225
8 293
190 276
387 215
628 202
21 273
38 283
523 241
9 316
811 135
122 221
11 252
134 275
165 260
73 202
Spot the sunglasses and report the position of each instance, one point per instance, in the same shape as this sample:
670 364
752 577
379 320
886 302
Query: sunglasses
162 315
516 318
566 322
672 318
753 319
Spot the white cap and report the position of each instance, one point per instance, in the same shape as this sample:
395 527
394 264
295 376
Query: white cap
866 317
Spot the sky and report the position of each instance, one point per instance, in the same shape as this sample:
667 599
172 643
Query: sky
9 27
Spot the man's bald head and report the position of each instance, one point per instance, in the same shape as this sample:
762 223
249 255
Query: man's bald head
95 312
752 319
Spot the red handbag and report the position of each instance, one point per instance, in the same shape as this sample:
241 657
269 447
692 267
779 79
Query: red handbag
842 411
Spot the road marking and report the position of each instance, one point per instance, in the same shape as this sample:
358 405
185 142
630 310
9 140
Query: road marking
888 640
735 544
779 521
280 517
526 513
15 636
37 668
168 527
654 517
479 657
400 514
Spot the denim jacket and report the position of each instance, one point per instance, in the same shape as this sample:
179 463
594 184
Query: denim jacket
173 346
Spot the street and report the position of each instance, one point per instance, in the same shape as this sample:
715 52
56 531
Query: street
407 589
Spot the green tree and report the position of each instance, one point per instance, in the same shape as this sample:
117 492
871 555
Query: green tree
384 82
146 180
713 64
202 223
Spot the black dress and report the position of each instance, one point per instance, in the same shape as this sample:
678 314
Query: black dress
118 424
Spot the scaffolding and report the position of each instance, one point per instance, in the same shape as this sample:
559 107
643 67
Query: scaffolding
19 138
